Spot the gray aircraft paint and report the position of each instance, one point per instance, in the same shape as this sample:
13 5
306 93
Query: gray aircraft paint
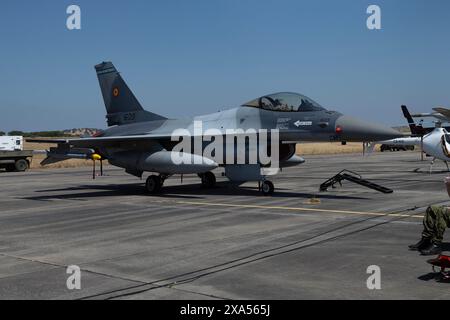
135 134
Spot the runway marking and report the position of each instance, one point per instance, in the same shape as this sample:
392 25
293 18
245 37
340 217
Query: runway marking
365 213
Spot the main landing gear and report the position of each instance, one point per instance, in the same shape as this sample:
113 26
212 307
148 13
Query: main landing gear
208 179
154 183
267 188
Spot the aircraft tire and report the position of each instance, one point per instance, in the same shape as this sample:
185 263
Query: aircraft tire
267 188
208 179
153 184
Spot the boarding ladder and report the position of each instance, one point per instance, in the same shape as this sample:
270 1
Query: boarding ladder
353 177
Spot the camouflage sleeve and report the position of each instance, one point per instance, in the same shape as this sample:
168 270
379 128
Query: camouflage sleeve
447 216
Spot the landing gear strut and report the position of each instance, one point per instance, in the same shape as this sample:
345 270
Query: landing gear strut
208 179
432 164
267 188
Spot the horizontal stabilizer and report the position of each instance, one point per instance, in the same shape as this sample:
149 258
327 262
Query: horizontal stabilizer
51 160
64 152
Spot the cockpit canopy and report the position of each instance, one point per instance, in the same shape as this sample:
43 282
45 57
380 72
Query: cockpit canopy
285 102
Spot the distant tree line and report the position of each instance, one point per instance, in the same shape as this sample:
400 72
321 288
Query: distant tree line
47 134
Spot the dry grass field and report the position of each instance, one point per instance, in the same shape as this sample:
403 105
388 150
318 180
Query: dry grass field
302 149
330 148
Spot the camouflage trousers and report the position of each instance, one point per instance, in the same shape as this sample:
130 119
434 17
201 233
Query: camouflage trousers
436 219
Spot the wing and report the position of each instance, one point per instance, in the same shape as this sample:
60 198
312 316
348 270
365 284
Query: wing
84 148
93 142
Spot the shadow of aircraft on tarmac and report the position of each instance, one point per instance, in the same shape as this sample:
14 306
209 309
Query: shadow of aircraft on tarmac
194 191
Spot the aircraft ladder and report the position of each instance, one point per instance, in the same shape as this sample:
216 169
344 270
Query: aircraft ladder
353 177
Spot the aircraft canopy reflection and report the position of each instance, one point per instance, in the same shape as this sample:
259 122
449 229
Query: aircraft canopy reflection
285 102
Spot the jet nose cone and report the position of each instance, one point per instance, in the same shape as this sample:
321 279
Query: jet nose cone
355 130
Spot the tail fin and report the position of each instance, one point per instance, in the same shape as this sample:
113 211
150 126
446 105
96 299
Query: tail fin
122 107
415 129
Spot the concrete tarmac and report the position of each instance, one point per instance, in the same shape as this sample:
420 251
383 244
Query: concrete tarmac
220 243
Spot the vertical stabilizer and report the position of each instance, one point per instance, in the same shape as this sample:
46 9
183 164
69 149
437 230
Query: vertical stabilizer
415 129
122 107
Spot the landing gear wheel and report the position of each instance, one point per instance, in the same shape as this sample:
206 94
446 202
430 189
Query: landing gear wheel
208 179
267 188
21 165
10 168
153 184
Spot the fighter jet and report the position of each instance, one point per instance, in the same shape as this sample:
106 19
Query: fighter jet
141 141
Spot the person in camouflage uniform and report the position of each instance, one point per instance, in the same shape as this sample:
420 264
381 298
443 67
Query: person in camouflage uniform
435 221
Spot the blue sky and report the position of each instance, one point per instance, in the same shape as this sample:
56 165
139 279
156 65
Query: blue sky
192 57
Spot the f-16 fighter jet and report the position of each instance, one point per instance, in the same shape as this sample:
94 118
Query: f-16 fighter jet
250 142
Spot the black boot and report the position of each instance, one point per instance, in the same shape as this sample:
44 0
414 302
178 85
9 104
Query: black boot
423 243
431 250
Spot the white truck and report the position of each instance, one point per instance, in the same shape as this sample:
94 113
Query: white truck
12 155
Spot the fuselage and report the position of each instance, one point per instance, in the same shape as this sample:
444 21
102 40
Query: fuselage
436 144
317 126
287 117
292 126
